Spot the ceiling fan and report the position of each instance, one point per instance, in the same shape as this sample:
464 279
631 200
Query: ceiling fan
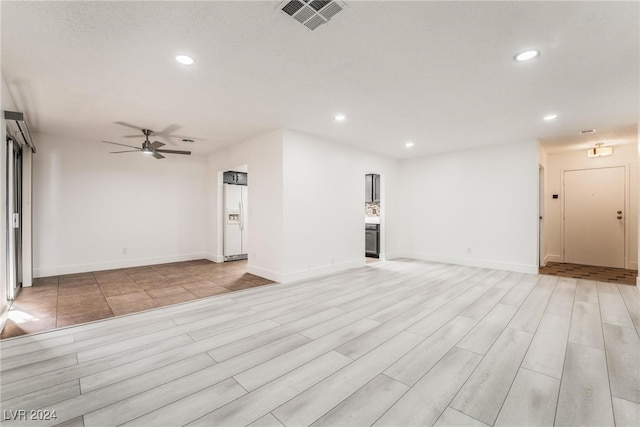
148 147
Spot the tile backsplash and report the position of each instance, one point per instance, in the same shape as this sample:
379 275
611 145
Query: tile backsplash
372 209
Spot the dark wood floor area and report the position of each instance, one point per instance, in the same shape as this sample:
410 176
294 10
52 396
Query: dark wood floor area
590 272
58 301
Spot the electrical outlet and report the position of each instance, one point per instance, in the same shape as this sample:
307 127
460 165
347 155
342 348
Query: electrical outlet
124 251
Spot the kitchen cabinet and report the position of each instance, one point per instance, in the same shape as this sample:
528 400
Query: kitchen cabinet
372 240
372 188
236 178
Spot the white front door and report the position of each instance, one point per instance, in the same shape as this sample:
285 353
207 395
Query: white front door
594 216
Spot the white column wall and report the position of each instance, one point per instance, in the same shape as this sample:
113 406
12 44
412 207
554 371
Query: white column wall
263 158
324 205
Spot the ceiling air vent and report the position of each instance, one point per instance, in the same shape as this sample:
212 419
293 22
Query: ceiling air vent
311 13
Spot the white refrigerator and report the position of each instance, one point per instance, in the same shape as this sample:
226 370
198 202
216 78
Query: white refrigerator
235 222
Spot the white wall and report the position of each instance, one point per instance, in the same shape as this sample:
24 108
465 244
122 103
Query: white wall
7 104
324 205
263 158
88 205
542 202
475 207
623 155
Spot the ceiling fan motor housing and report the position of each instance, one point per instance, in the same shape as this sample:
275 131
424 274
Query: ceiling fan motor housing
150 147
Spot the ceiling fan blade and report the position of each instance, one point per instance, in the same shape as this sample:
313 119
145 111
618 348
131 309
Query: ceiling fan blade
157 155
169 130
124 145
118 152
174 151
133 136
156 144
128 125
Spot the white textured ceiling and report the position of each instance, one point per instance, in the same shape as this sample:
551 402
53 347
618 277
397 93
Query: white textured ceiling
440 74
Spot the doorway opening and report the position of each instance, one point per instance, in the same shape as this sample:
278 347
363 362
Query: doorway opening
373 217
233 219
235 212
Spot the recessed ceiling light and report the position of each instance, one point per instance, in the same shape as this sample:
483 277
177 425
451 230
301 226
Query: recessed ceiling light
339 117
551 117
587 131
409 144
184 59
526 55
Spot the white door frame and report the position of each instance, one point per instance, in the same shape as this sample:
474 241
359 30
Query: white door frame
627 237
541 217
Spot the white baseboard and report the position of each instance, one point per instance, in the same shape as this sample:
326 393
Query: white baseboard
391 255
215 258
321 270
266 273
552 258
472 262
111 265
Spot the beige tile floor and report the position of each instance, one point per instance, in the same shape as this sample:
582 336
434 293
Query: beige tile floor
54 302
394 343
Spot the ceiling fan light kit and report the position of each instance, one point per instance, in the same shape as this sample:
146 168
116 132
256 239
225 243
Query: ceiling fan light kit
148 147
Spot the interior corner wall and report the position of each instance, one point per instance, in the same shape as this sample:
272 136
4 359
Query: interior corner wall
475 207
324 184
263 157
6 105
90 206
627 155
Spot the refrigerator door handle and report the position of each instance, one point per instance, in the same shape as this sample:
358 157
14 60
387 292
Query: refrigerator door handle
241 214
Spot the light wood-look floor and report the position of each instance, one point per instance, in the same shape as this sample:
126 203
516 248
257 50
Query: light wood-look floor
395 343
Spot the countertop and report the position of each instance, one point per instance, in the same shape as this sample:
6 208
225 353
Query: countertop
372 220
